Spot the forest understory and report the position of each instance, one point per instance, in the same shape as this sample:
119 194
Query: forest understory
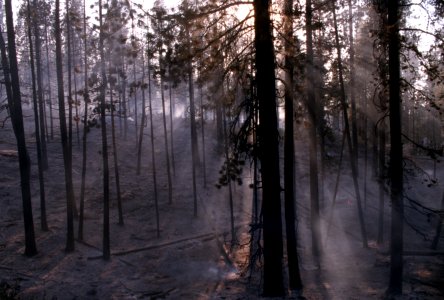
194 257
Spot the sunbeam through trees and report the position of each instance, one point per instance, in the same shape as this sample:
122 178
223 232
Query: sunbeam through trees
221 149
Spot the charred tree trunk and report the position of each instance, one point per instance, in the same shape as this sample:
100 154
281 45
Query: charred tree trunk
311 105
381 155
354 128
165 133
153 152
85 127
48 74
136 124
194 154
116 162
173 161
396 168
38 136
15 108
38 61
106 234
70 98
268 151
295 280
63 132
347 133
202 124
143 122
123 103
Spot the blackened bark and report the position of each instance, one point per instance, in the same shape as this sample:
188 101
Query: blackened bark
173 161
268 150
85 128
396 170
70 103
38 62
165 132
354 128
15 108
116 163
311 105
106 235
48 74
353 158
38 136
63 132
295 280
202 124
153 153
382 172
194 154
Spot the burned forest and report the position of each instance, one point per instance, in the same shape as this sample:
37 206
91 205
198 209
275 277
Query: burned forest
221 149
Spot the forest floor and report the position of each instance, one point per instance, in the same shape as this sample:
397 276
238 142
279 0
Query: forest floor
193 258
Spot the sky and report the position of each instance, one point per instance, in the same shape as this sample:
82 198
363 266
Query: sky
418 18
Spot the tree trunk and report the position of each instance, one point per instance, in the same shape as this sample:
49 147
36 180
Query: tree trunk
15 108
352 85
227 173
396 159
347 133
38 136
48 70
63 132
202 124
295 280
268 151
194 154
85 128
153 153
124 104
70 99
38 58
135 99
116 163
76 104
311 105
381 155
165 134
173 162
106 234
142 125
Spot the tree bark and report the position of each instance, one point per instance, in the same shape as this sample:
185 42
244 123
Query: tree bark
38 61
353 158
194 154
311 105
153 153
268 151
85 128
173 161
63 132
396 168
202 124
165 134
48 71
295 280
15 108
116 162
38 136
106 233
354 128
381 155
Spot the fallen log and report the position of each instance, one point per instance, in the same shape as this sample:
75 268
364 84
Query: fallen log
119 253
